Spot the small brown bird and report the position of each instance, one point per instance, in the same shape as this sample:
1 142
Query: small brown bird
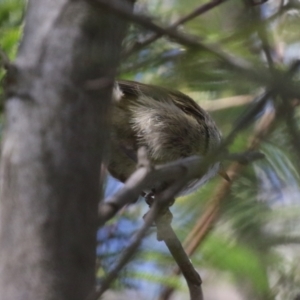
168 123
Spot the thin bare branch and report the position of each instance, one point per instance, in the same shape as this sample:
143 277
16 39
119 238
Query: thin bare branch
276 80
195 13
187 40
283 240
249 115
292 128
264 33
133 189
144 179
264 36
127 254
160 203
224 103
152 60
258 104
166 233
245 157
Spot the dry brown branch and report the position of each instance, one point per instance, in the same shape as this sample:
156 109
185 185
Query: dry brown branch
222 103
248 117
195 13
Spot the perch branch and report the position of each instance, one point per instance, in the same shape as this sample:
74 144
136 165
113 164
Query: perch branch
166 233
145 178
192 168
161 201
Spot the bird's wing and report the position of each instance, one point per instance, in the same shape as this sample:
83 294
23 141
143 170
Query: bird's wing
132 90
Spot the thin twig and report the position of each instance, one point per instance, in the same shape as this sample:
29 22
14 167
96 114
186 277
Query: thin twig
195 13
247 118
224 103
292 128
190 41
259 75
161 201
143 179
191 276
155 60
257 105
249 26
126 255
262 33
282 240
264 37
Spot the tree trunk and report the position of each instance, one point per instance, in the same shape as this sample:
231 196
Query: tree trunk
56 130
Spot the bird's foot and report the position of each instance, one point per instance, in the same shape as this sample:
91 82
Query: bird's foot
164 215
149 198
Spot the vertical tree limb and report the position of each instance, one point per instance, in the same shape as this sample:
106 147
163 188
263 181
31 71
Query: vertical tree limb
54 142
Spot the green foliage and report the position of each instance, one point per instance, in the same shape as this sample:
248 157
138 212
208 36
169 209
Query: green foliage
261 208
241 262
173 282
11 17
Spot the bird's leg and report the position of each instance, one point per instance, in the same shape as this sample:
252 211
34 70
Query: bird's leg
164 215
149 198
171 202
162 222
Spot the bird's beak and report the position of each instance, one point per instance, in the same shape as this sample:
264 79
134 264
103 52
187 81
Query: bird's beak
223 173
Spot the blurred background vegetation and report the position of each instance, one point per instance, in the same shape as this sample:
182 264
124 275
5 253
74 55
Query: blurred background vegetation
252 251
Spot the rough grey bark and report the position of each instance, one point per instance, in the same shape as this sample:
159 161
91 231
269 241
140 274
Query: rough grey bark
57 119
